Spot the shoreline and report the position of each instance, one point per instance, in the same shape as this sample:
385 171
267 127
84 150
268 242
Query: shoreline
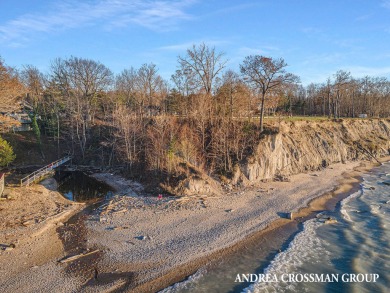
152 272
180 236
349 184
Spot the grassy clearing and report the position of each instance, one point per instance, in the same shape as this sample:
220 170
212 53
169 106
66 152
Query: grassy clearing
298 118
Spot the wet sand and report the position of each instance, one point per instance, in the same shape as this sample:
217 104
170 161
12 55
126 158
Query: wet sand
159 246
146 244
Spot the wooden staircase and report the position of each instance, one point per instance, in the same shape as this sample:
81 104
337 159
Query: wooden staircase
36 175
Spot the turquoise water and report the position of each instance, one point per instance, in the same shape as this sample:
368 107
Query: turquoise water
350 253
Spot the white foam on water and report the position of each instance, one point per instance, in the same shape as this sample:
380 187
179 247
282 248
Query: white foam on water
305 250
375 208
305 246
177 287
344 207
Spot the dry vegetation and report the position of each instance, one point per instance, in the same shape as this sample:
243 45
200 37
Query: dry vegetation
205 122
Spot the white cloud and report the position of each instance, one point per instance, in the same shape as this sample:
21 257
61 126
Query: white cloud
311 30
322 59
364 17
262 50
314 75
386 3
362 71
177 47
153 14
235 8
187 45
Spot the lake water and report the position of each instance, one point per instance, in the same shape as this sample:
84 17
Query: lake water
352 252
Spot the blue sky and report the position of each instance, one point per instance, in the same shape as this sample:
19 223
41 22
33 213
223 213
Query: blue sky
315 37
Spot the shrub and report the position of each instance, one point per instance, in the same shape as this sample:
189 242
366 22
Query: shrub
6 153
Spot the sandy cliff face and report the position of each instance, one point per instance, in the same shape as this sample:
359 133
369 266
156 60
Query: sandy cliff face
303 146
300 147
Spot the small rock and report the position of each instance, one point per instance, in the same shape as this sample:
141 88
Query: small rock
330 221
121 228
142 237
28 223
10 247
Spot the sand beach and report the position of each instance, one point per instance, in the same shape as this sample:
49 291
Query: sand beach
148 243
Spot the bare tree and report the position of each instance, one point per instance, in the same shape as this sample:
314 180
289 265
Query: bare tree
205 63
126 88
353 90
316 99
11 89
346 96
129 133
34 82
231 80
342 79
161 144
267 74
149 84
81 82
291 93
184 81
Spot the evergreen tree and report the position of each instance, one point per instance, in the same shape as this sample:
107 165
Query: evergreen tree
6 153
36 129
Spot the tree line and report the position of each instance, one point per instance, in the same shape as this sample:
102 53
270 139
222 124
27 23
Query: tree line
202 118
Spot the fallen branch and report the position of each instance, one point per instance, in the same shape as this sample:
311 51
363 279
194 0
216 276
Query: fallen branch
75 257
365 151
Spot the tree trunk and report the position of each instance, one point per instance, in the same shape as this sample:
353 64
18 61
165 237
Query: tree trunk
262 113
324 106
58 134
231 105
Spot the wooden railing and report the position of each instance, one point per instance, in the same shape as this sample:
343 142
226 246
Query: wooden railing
2 175
31 178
